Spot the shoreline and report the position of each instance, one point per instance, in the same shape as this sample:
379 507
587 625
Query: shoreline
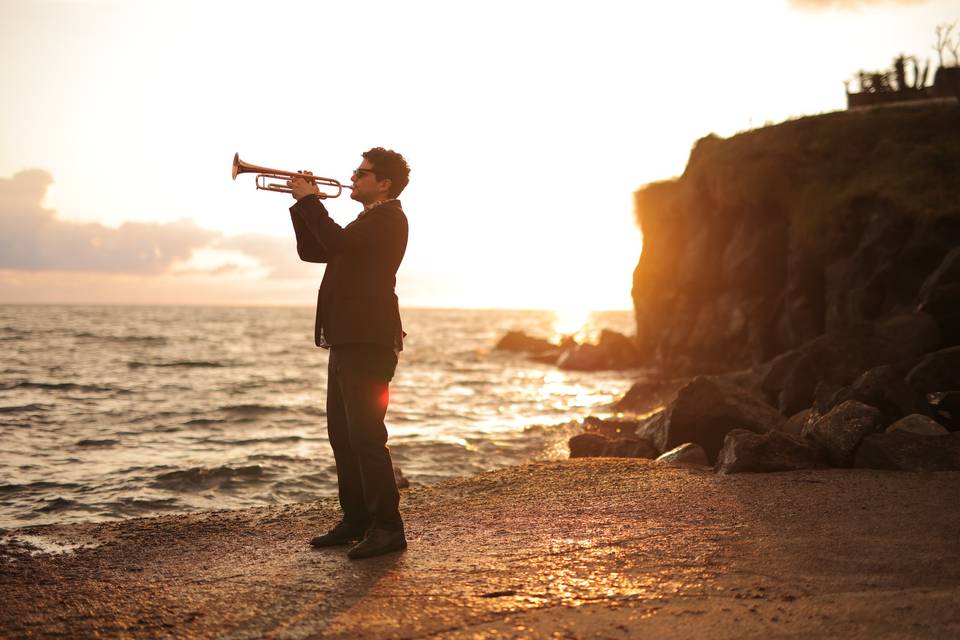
615 547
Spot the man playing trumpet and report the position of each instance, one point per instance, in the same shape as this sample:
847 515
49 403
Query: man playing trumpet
358 320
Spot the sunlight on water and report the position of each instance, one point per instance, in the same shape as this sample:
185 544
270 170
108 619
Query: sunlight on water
116 412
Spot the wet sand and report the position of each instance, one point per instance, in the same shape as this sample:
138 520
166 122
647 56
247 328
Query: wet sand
607 548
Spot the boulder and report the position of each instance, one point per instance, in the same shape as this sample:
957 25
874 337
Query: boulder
938 371
795 423
777 371
518 341
947 408
706 409
906 337
610 428
838 358
745 451
884 388
687 454
905 451
799 386
654 430
621 352
612 351
585 357
593 445
838 433
918 424
647 395
587 445
826 396
630 448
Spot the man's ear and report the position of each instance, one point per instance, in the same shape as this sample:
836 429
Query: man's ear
389 184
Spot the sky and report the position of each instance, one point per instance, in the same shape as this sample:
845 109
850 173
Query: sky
527 125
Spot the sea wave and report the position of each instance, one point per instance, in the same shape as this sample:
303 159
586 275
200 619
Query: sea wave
184 364
58 504
90 442
145 340
204 478
253 409
249 441
26 408
138 506
40 486
59 386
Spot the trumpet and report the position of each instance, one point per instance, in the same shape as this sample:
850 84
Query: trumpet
265 175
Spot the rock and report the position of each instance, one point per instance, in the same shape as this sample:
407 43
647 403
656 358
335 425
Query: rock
587 445
940 296
777 371
906 337
593 445
745 451
826 396
918 424
687 454
585 357
838 433
794 425
402 482
654 430
948 401
518 341
646 396
840 357
798 387
610 428
938 371
905 451
621 352
546 357
706 409
630 448
946 408
884 388
613 351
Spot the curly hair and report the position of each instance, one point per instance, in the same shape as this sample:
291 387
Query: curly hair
388 164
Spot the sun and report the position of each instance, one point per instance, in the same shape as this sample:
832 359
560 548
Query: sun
570 321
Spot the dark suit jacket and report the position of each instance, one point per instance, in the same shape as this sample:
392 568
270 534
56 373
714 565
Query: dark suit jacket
356 302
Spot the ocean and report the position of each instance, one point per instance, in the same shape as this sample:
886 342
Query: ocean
112 412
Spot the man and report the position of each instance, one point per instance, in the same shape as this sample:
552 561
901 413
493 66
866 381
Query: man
358 319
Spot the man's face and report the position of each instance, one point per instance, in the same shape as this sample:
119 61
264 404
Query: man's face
366 188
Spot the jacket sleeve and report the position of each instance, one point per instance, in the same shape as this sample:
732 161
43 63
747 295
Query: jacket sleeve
362 235
308 248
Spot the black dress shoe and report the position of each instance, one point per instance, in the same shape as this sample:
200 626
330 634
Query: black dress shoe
343 533
378 542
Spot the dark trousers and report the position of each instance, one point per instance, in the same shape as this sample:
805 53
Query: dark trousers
357 395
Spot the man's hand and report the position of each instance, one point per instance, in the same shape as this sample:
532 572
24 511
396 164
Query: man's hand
302 187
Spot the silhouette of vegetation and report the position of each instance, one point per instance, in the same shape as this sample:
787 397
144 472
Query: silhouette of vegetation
894 86
943 33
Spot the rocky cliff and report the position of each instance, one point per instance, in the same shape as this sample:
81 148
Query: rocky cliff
778 235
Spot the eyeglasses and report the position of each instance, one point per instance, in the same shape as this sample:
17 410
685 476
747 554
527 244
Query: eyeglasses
358 173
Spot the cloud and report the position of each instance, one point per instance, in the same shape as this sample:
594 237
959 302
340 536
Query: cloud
34 239
277 255
819 5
